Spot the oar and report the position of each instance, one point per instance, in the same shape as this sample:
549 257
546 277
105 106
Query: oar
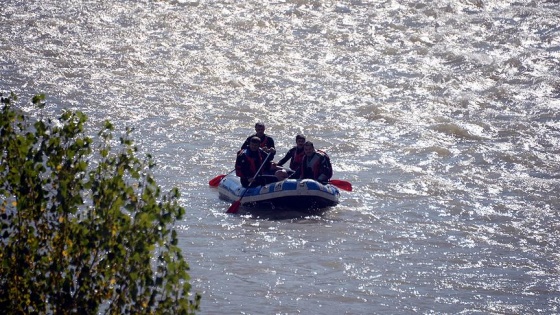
215 182
235 206
342 184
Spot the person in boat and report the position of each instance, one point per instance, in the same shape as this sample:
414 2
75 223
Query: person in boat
294 155
266 141
315 165
249 161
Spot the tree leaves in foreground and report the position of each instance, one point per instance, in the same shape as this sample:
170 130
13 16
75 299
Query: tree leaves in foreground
84 226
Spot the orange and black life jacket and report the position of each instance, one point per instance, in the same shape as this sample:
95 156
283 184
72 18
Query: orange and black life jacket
247 164
297 159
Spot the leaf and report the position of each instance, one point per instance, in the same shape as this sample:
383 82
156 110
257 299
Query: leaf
84 233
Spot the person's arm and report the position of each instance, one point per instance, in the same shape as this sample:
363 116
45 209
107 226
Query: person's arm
285 158
239 164
266 160
270 148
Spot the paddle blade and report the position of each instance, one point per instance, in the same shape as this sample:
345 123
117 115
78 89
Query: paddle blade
214 182
234 207
342 184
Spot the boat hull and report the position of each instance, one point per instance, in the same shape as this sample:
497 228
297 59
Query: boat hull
305 194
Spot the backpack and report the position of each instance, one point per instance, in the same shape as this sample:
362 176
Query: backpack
327 163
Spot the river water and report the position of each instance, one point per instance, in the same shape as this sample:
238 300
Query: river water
444 116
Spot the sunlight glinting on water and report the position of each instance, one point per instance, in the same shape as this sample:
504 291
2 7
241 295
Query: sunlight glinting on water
443 115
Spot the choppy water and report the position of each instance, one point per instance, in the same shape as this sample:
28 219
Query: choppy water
444 115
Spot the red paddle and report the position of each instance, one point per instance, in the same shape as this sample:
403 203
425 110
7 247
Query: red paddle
235 206
215 182
342 184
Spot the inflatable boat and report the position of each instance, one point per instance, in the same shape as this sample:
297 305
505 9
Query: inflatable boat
305 194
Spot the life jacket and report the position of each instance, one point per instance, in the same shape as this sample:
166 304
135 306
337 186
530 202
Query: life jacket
252 164
320 163
264 142
297 159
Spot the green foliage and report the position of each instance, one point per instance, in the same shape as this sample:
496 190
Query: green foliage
84 228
